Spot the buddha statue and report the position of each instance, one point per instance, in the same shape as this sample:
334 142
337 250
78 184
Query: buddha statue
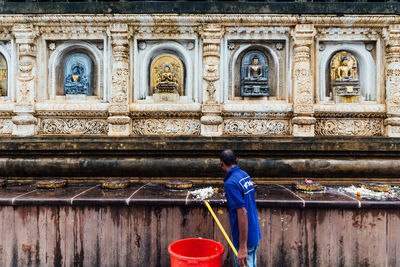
344 80
254 75
167 81
344 71
76 82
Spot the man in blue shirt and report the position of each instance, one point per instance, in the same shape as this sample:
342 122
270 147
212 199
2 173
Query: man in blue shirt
240 195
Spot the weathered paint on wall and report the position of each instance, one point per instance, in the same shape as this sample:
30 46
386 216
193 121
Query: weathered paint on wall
139 235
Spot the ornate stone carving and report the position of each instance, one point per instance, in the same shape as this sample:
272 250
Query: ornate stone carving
166 127
6 126
165 114
73 126
347 33
302 82
119 105
72 113
257 31
211 34
256 127
164 30
24 122
393 77
66 32
349 127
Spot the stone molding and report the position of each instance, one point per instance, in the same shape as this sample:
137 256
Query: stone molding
165 114
192 19
255 115
72 113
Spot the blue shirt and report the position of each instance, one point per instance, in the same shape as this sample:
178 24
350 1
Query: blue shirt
240 192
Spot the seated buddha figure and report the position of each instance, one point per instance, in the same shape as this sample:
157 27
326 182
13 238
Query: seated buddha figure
345 83
255 69
344 71
76 82
254 77
167 81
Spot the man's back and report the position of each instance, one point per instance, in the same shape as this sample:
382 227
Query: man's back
240 192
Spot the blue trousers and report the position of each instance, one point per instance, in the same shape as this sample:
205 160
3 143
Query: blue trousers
251 256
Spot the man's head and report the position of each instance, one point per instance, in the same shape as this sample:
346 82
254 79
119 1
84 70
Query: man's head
227 159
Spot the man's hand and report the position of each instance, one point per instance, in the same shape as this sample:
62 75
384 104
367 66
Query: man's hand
243 228
242 256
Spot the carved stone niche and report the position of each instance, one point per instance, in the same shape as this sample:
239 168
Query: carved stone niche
164 71
76 71
3 76
347 72
6 74
257 70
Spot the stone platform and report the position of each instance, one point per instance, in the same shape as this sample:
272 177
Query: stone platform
84 225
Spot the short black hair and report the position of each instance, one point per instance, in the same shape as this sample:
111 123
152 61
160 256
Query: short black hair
228 157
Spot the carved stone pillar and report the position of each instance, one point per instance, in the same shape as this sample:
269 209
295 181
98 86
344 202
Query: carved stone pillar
119 121
303 121
392 123
211 120
25 124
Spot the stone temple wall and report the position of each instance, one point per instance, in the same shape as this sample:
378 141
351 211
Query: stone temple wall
300 51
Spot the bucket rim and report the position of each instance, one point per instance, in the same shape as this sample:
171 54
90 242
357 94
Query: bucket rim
195 258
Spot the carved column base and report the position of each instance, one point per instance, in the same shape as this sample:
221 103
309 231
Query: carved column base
392 127
119 126
25 124
304 126
211 121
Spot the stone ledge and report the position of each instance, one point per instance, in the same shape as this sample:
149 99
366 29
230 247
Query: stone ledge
156 194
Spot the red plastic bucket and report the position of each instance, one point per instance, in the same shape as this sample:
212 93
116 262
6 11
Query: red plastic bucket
196 252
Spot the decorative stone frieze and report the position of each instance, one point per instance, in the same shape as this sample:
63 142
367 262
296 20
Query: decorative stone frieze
166 127
347 33
349 127
256 127
164 31
119 108
73 126
24 121
392 127
73 32
211 121
303 80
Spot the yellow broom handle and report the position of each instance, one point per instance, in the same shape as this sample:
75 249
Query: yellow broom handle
221 228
